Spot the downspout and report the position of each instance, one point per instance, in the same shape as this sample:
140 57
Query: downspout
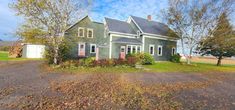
110 46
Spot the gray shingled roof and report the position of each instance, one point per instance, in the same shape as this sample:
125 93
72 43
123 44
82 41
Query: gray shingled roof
151 27
119 26
127 40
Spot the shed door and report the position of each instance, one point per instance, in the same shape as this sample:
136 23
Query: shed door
81 49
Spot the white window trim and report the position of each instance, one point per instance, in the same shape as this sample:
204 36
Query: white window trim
159 46
173 53
151 45
91 48
136 48
83 34
89 29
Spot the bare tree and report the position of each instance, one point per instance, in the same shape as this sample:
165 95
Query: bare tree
192 20
52 16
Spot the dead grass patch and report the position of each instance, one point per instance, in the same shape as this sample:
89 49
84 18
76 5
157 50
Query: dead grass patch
110 91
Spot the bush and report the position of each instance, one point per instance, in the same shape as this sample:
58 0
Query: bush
89 61
146 58
68 64
175 58
63 53
118 62
4 48
104 62
131 61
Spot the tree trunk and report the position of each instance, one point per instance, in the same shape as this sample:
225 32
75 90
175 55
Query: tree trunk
182 44
189 56
55 59
219 61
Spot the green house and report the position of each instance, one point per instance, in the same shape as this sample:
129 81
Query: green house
115 38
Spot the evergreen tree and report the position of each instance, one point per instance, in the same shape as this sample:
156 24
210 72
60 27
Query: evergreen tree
221 43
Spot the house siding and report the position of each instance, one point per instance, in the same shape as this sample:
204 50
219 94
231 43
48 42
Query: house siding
116 46
98 38
106 48
166 48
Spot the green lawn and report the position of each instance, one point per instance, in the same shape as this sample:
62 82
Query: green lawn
183 68
4 57
159 67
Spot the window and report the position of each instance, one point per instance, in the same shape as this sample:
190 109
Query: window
128 49
93 48
151 49
122 48
159 50
82 46
81 32
133 49
90 33
138 49
173 51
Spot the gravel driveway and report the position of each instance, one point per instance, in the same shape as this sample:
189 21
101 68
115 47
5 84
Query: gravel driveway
20 79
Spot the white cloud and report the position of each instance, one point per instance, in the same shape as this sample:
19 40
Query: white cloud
121 9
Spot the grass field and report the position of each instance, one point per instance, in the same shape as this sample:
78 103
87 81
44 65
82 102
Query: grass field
159 67
212 60
184 68
4 57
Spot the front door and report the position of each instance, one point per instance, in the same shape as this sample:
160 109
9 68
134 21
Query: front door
81 50
122 52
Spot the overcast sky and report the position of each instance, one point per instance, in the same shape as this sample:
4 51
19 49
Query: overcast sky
118 9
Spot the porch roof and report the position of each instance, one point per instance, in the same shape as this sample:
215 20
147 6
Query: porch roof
127 41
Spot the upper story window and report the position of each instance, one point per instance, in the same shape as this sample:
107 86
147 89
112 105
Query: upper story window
90 33
81 32
151 49
159 50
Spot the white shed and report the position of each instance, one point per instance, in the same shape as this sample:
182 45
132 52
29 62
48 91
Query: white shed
33 51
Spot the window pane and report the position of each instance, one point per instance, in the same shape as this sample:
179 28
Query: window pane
89 33
93 48
81 46
159 50
138 49
122 49
80 32
128 49
151 50
134 49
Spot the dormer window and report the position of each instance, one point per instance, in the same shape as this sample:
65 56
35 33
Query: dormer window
90 33
81 32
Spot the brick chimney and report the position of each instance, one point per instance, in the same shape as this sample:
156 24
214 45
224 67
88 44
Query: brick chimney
149 17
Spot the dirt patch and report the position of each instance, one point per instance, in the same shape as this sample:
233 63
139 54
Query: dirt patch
213 60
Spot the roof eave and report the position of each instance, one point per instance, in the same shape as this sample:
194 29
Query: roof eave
157 35
128 34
